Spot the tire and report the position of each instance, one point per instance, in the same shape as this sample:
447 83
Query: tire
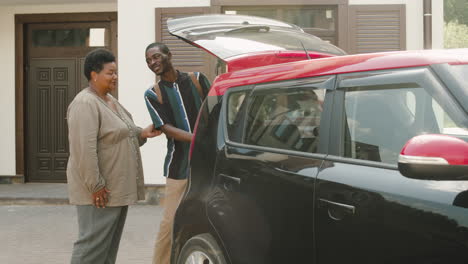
201 249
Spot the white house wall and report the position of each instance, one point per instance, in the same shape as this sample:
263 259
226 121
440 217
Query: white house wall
136 29
7 69
136 26
414 21
437 24
7 89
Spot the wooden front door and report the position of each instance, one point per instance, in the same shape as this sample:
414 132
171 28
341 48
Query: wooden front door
55 59
52 86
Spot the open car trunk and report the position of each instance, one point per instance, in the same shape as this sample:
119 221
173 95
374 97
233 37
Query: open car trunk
246 41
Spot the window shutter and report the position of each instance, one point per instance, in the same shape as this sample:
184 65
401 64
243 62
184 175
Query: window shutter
185 57
375 28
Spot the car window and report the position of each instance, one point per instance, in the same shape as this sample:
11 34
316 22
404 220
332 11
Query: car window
380 118
460 91
461 72
445 123
235 112
285 119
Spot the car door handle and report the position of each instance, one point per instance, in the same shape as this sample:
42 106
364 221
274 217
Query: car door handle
228 182
337 211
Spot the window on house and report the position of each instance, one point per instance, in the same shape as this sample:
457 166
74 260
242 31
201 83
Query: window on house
71 37
317 20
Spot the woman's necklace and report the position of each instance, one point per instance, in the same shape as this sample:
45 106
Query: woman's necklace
103 97
106 100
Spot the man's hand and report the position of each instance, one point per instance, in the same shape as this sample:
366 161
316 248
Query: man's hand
176 133
100 198
150 132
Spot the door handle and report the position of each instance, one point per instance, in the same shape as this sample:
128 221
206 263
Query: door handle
228 182
338 211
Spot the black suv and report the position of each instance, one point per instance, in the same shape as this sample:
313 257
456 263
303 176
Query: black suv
335 159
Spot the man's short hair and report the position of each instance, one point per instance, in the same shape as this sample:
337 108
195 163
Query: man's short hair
162 47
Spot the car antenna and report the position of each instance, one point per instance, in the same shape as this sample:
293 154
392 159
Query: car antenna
307 53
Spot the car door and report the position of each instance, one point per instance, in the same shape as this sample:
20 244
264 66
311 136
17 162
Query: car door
262 200
367 212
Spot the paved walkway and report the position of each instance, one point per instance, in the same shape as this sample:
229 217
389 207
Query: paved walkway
37 225
57 194
33 194
38 234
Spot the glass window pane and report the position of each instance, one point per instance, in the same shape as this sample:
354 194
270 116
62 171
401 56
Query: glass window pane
268 13
235 113
97 37
317 20
59 37
445 124
380 119
461 72
75 37
43 38
311 18
286 119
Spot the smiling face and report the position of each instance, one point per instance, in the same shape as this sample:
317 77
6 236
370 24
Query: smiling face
106 79
157 61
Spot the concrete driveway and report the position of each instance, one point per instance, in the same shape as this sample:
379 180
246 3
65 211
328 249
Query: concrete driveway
45 234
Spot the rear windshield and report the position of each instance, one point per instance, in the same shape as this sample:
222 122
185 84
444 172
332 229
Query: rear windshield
256 39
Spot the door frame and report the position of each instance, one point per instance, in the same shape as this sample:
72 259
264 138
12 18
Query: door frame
20 76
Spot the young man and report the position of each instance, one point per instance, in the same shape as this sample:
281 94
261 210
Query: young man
173 104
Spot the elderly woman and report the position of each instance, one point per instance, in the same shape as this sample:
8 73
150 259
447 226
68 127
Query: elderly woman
104 169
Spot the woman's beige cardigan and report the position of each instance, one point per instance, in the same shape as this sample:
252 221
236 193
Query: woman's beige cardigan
104 152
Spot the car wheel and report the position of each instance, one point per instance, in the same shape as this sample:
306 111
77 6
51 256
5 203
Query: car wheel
201 249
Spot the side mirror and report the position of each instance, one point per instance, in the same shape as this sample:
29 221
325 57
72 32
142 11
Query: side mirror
434 157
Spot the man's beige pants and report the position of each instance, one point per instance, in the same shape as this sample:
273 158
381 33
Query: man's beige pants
173 194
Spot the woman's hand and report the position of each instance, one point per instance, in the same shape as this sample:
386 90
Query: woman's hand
150 132
100 198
